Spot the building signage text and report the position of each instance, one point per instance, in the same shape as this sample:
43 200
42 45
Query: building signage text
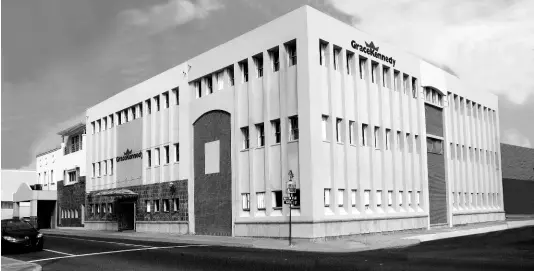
372 50
129 155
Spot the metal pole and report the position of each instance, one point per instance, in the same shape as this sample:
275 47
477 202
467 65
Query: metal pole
290 203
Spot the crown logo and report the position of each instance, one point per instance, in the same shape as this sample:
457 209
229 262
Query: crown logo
372 46
127 152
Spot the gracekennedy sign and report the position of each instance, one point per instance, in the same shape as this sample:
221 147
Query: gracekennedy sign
129 155
372 50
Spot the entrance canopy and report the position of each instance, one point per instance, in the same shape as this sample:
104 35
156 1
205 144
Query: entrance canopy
117 193
25 193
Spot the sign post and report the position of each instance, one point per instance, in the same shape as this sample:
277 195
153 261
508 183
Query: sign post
291 189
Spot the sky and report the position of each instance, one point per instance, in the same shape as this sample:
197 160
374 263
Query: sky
60 57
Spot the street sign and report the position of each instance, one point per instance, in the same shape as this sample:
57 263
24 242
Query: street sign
288 201
287 198
291 187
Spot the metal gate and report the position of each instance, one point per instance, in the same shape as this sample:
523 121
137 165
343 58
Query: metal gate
437 188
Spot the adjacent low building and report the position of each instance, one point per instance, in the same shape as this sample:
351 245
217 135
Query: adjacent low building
518 179
11 180
375 138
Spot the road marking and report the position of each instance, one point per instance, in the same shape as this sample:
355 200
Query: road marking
112 252
134 245
58 252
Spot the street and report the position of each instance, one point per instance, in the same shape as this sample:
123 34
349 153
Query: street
506 250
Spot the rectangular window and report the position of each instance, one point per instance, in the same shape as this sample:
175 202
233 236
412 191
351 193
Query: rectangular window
105 167
400 197
148 158
245 198
417 144
258 61
390 197
209 84
110 121
72 176
385 77
176 204
340 194
176 152
366 199
156 101
105 123
378 198
374 71
198 89
339 130
244 133
410 198
414 87
293 128
99 170
166 205
220 80
364 141
260 131
110 208
327 197
275 59
165 100
388 138
176 94
158 157
322 50
93 175
156 205
350 59
405 83
243 65
103 209
51 177
396 80
296 198
353 197
291 48
337 52
231 75
276 130
363 65
93 127
277 199
148 107
110 166
377 137
167 154
324 125
147 204
399 140
260 197
351 132
409 142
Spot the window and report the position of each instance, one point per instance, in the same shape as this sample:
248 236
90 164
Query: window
110 121
260 131
364 141
277 199
377 137
339 130
157 161
434 145
231 75
244 133
388 138
396 78
220 80
378 198
350 59
385 76
243 65
322 50
400 198
134 110
296 198
340 200
276 130
176 204
414 88
209 84
366 198
105 123
245 201
110 208
363 65
176 94
337 52
198 88
110 166
293 128
156 101
176 152
275 59
166 206
99 124
149 158
374 70
105 167
260 197
93 175
409 142
324 125
405 83
291 48
258 61
399 140
99 170
353 197
93 127
126 115
165 100
156 205
417 144
120 118
351 132
327 197
167 154
390 197
51 177
409 198
148 107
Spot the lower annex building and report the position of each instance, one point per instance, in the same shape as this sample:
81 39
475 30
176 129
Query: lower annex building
377 140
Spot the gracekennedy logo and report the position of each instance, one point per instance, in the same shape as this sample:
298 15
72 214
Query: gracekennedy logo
372 50
129 155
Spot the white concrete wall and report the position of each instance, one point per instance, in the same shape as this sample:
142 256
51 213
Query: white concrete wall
49 170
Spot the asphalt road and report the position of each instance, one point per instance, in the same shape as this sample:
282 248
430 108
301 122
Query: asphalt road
508 250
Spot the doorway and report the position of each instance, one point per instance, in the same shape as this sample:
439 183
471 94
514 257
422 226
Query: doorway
126 215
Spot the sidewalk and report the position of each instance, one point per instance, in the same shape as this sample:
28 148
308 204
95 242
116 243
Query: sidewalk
342 244
9 264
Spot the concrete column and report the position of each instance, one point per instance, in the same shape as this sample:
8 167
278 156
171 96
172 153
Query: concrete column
16 209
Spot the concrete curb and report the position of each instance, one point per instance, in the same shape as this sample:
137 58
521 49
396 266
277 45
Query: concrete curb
10 264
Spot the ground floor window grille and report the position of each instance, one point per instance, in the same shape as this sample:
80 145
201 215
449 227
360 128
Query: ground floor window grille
261 200
245 197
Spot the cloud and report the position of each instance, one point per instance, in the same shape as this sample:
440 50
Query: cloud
488 44
514 137
163 16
